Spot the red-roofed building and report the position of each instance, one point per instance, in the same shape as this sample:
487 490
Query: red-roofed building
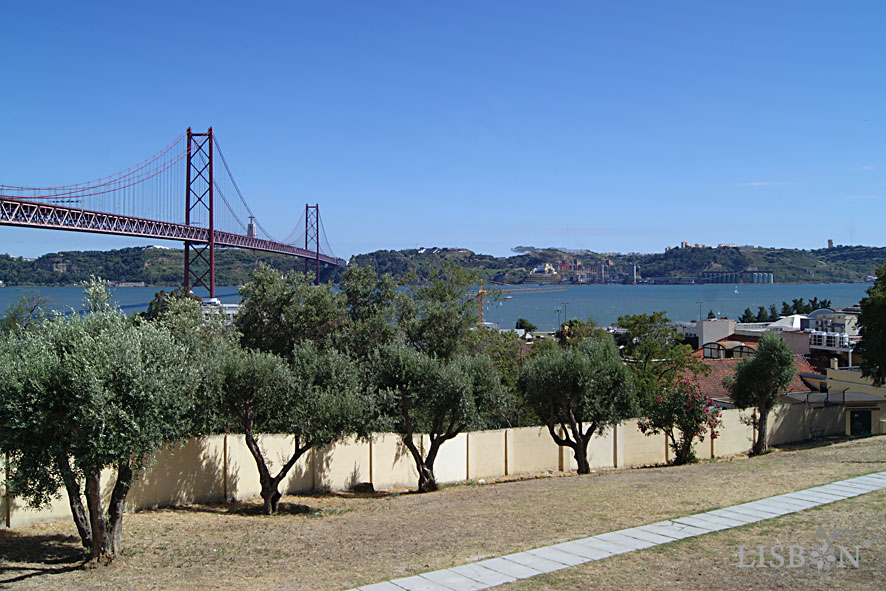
805 381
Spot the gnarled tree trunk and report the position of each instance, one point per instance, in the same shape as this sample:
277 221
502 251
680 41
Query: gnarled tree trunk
75 500
427 482
270 484
107 528
101 550
761 444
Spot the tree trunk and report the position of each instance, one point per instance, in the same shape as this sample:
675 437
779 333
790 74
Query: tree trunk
269 484
682 451
761 445
426 480
101 550
75 500
116 506
581 456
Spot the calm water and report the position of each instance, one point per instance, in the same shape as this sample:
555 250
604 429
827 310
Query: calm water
603 303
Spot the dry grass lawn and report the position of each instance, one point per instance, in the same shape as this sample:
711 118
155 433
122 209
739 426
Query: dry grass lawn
711 561
338 541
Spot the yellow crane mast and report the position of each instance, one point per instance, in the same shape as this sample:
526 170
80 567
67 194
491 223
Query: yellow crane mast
482 292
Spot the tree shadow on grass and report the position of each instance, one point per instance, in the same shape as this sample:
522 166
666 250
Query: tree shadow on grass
27 556
245 508
811 443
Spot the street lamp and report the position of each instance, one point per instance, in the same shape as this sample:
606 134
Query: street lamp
558 317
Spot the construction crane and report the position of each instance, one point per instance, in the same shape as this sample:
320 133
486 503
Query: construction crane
482 292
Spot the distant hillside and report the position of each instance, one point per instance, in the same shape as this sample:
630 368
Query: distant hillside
845 264
162 266
153 266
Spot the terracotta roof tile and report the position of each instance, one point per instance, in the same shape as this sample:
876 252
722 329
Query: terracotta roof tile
712 384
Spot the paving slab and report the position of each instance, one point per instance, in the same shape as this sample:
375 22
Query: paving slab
482 574
605 545
819 497
639 532
839 488
386 586
743 517
801 503
866 487
695 521
839 494
534 561
762 514
774 506
630 542
583 550
510 568
719 519
880 482
794 504
557 555
419 583
676 530
452 580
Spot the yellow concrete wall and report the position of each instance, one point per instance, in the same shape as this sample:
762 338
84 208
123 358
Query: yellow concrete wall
486 454
600 451
531 449
195 470
392 465
787 423
639 449
451 463
20 514
823 421
188 472
735 437
342 465
702 449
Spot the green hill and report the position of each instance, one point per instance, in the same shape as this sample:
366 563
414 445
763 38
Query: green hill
152 265
163 266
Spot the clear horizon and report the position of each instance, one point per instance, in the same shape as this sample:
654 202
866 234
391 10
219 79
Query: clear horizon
622 127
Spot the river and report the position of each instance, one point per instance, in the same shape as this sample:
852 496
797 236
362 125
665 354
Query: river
603 303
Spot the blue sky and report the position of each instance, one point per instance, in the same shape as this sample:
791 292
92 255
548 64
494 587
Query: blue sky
617 126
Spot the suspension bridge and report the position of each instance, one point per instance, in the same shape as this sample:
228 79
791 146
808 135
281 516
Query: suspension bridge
145 200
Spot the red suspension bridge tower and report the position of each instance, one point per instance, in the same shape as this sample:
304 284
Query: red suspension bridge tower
145 200
199 193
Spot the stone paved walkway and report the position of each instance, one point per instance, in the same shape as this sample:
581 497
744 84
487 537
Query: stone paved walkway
522 565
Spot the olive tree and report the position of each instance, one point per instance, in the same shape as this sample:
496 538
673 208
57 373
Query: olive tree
78 396
436 316
278 311
316 399
578 392
424 394
759 380
872 347
370 306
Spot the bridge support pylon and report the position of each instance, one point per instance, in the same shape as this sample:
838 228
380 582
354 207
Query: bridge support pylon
312 238
199 210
